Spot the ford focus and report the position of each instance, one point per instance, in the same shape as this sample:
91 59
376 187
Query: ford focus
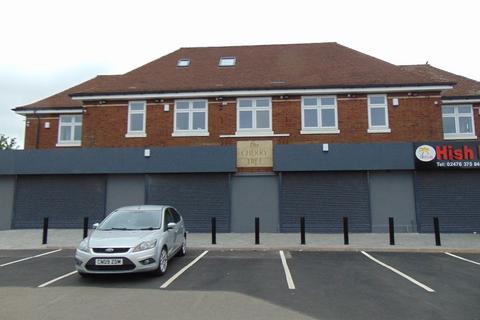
133 239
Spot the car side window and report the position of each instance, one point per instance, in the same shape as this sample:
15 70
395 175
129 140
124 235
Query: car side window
175 215
168 218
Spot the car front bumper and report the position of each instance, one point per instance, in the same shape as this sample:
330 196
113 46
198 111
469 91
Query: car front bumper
141 261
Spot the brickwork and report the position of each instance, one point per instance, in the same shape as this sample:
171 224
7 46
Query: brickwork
417 118
47 137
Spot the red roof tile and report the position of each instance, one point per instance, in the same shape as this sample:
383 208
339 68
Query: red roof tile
290 66
464 87
63 99
318 65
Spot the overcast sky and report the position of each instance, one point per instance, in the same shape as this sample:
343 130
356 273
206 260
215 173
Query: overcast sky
48 46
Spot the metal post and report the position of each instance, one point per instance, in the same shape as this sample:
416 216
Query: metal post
345 230
391 230
45 230
257 230
85 227
214 230
436 226
302 230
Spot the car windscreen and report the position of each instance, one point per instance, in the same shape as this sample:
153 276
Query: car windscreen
132 220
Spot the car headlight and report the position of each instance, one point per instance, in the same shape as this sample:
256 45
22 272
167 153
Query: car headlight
145 245
83 246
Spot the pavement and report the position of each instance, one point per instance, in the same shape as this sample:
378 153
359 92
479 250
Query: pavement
247 284
424 242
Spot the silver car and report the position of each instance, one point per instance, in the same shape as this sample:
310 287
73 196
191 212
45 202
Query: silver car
133 239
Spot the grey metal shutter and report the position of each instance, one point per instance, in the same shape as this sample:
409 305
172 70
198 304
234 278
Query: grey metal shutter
65 199
198 197
452 196
323 198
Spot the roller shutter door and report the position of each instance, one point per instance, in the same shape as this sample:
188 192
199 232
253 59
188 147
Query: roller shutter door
64 199
198 197
323 198
453 196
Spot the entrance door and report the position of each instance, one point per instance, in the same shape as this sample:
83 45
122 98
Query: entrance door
255 196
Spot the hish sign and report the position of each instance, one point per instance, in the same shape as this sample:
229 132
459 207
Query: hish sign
455 155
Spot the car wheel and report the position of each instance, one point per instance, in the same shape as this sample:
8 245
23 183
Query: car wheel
183 249
162 262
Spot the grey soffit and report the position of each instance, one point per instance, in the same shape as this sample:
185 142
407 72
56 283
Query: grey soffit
344 157
118 160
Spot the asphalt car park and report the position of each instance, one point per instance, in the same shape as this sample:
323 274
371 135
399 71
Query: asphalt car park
320 285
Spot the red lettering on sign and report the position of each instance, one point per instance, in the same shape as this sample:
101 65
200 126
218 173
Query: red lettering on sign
468 153
448 153
442 153
458 154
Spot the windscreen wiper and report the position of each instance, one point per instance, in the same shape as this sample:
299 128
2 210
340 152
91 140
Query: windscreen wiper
149 228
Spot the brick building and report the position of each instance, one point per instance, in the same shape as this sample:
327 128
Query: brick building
275 131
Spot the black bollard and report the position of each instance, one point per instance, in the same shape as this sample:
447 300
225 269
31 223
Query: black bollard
436 226
302 230
257 230
345 230
85 227
45 230
214 230
391 230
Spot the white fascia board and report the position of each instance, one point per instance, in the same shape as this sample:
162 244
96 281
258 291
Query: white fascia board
247 93
49 111
460 101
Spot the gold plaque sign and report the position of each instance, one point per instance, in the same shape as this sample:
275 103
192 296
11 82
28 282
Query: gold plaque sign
254 154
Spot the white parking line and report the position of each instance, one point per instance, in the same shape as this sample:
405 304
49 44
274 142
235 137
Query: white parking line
56 279
28 258
179 273
288 275
464 259
399 273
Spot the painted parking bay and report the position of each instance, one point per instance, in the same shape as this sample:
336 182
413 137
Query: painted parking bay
259 273
129 280
349 285
457 282
31 268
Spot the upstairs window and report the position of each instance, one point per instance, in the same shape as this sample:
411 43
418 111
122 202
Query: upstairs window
183 63
191 118
136 119
378 114
319 115
227 62
254 115
70 130
458 122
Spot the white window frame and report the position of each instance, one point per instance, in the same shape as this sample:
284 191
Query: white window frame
319 107
456 115
254 130
183 63
227 61
378 129
72 124
190 132
137 133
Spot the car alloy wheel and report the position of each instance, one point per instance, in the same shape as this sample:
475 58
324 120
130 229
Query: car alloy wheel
163 260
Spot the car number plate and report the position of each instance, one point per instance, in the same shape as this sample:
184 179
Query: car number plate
108 262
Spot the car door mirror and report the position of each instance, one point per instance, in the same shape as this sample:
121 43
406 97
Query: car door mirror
171 225
95 225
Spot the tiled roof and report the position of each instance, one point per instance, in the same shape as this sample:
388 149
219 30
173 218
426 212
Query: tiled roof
290 66
464 87
63 99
